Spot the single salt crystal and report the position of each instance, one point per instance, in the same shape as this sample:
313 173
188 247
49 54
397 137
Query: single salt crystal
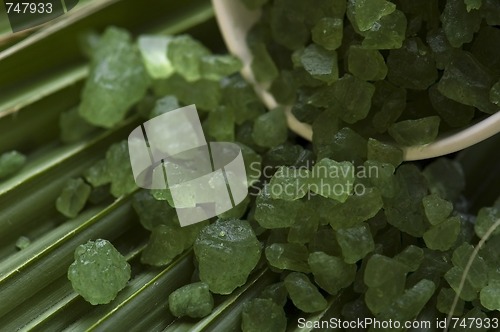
328 32
23 242
120 169
275 213
443 235
415 132
164 105
263 315
117 80
219 124
216 67
154 54
99 271
387 33
436 208
185 54
275 292
288 256
10 163
73 197
367 12
356 243
332 179
459 25
385 153
153 212
193 300
270 129
263 66
366 64
303 293
289 183
320 63
412 256
97 174
331 273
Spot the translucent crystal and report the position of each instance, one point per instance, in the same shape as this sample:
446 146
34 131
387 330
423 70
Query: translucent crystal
436 208
356 209
222 246
10 163
23 242
490 296
216 67
117 80
284 88
120 169
320 63
466 81
263 66
164 105
288 256
412 256
332 179
445 300
275 292
459 24
495 94
405 210
289 183
446 178
167 242
331 273
220 124
389 102
386 33
415 132
73 197
444 235
154 55
328 33
473 4
270 129
275 213
486 218
366 64
367 13
185 54
97 174
351 98
271 317
153 212
385 153
303 110
381 176
453 113
305 226
412 66
73 127
356 243
288 28
99 272
441 48
477 274
385 278
346 145
205 94
454 278
324 240
193 300
409 305
303 293
240 97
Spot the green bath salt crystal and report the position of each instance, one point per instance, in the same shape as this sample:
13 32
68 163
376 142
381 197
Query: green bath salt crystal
412 256
97 174
381 176
73 197
453 113
356 243
288 256
436 208
332 179
263 66
117 80
490 296
185 54
120 169
193 300
328 33
289 183
331 273
367 12
444 235
216 67
303 293
477 275
154 55
262 315
275 213
23 242
164 105
346 145
458 23
275 292
320 63
486 218
99 272
386 33
368 65
222 246
495 94
220 124
10 163
73 127
415 132
270 129
384 152
445 300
